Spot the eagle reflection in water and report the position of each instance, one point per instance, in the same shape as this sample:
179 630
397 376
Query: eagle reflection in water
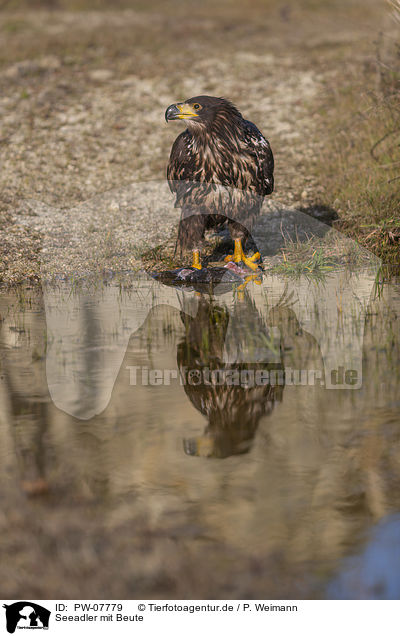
233 395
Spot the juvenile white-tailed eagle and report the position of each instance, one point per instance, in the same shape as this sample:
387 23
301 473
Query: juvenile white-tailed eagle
221 167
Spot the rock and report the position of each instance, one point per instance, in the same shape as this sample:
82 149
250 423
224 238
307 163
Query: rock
114 206
101 75
49 63
189 278
32 67
21 69
274 228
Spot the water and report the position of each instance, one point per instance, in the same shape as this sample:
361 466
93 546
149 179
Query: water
151 445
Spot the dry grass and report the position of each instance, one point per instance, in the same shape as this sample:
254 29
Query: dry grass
360 160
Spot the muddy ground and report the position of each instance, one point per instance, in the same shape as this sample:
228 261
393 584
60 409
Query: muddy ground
83 95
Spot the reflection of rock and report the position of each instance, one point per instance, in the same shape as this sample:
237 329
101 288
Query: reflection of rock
375 573
273 228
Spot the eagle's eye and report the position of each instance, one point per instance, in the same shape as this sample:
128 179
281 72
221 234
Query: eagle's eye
196 106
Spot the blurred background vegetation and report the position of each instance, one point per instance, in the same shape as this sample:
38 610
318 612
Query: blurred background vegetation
361 162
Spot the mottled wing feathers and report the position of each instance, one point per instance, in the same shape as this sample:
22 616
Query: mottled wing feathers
181 166
258 145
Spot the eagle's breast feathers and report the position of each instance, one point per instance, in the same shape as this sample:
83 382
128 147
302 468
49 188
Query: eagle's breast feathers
243 161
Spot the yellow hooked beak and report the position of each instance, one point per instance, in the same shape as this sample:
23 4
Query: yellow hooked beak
180 111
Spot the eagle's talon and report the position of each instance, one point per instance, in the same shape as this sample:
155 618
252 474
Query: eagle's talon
240 257
250 264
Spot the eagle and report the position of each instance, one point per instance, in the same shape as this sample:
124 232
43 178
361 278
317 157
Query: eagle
220 169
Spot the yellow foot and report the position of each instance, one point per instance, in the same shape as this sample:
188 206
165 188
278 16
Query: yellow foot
249 260
240 257
196 260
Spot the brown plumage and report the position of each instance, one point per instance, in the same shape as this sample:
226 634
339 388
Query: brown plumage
220 168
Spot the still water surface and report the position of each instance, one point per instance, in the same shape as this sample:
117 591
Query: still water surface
152 445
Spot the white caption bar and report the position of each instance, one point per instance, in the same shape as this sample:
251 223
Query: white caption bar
194 617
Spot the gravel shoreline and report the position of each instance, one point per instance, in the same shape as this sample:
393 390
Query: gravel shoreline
82 119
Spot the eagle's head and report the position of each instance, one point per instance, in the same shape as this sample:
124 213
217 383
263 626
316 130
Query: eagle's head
204 112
